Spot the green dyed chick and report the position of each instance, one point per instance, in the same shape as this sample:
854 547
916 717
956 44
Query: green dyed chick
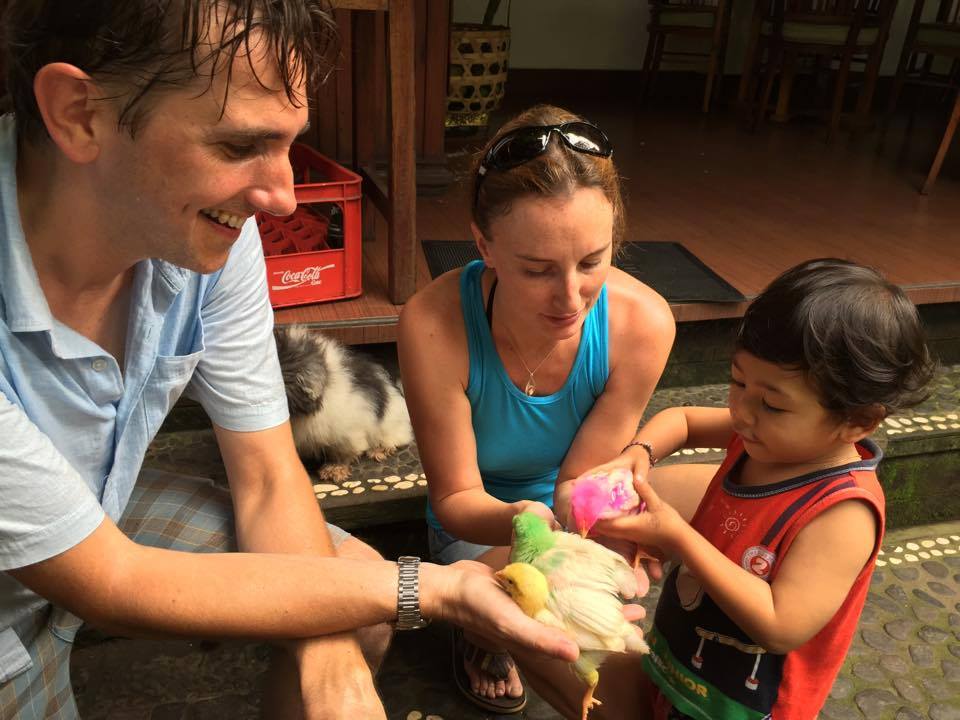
577 586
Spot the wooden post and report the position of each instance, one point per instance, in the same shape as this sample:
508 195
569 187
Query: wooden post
402 180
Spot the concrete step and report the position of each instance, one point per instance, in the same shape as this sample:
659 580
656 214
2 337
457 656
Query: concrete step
920 473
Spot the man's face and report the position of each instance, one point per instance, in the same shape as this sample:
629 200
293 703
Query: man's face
182 188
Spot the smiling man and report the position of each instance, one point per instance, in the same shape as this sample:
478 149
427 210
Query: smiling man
145 136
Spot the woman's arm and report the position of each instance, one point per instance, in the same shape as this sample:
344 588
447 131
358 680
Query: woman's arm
641 332
434 363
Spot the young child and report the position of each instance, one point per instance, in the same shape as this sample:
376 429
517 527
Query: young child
774 553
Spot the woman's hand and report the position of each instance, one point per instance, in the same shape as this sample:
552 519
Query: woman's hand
634 458
646 564
538 508
658 526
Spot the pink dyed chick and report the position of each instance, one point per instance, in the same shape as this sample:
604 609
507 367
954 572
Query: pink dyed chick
602 495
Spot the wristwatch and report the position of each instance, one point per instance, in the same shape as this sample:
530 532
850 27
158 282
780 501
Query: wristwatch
408 594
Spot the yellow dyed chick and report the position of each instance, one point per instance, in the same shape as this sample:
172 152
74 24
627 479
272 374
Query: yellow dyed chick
576 586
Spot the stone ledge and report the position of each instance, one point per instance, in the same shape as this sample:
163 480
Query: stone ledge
920 474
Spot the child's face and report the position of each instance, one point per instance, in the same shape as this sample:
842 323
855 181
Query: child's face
779 415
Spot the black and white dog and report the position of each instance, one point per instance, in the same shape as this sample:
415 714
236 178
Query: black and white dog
342 404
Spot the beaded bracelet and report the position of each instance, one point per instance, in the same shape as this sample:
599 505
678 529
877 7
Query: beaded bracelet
646 446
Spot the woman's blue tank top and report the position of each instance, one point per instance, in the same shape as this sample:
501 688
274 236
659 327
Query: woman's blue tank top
521 440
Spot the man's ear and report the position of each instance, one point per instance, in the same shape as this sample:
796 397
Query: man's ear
483 245
67 98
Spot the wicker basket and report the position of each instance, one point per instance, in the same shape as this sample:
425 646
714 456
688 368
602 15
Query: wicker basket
478 73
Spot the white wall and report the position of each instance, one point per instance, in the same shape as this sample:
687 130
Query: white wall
612 34
586 35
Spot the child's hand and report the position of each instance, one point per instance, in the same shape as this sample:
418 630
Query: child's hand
657 526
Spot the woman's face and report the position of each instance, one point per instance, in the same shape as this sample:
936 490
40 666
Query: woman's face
552 256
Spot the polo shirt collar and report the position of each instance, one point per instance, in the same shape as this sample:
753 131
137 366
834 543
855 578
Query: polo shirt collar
23 304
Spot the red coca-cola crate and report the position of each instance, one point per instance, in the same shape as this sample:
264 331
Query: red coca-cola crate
314 254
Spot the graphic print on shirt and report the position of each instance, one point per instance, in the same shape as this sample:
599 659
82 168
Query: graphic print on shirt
733 520
710 665
759 561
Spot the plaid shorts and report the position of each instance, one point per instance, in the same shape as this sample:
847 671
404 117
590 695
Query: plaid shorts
165 511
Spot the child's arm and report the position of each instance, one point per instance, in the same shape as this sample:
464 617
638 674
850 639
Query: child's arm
811 583
684 427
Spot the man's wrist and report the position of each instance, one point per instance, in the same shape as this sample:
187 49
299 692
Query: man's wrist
433 583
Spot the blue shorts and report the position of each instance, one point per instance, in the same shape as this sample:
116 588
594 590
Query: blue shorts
445 549
166 510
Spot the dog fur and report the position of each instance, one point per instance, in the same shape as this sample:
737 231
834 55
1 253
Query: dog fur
342 404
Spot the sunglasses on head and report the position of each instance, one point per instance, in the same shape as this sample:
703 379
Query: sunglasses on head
526 143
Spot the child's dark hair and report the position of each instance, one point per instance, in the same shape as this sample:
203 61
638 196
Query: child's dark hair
856 336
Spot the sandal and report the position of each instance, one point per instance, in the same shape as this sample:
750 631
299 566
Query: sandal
497 665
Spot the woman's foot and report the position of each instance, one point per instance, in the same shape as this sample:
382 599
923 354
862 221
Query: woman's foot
487 677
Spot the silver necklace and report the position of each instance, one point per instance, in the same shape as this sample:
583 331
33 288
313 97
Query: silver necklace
531 387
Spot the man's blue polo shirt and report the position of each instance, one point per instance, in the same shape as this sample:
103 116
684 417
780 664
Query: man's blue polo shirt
73 428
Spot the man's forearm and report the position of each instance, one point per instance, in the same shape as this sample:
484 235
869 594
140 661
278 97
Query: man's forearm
279 597
282 517
274 505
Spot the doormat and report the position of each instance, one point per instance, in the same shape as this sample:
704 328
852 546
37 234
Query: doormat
669 268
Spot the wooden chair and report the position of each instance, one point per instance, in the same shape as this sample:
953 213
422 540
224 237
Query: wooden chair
705 19
924 41
844 30
944 146
758 46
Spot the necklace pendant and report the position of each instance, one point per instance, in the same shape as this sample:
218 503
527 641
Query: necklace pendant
530 388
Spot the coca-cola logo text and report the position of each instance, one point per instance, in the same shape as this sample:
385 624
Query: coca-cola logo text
290 279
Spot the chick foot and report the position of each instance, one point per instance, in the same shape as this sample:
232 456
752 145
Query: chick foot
589 702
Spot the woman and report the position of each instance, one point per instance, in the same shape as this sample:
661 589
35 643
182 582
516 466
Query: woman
532 365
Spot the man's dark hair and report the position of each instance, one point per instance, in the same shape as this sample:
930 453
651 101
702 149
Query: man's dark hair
856 336
140 47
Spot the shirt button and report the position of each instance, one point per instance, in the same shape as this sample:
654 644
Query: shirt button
99 364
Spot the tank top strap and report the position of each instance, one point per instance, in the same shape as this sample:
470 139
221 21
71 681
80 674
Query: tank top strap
596 344
474 317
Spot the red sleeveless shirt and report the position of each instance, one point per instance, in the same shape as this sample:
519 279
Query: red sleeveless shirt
700 659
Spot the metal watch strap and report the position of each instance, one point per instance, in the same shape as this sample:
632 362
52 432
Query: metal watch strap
408 594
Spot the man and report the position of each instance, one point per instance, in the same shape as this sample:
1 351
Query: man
145 136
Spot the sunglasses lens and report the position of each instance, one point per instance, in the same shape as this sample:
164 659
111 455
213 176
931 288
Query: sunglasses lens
519 147
587 139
